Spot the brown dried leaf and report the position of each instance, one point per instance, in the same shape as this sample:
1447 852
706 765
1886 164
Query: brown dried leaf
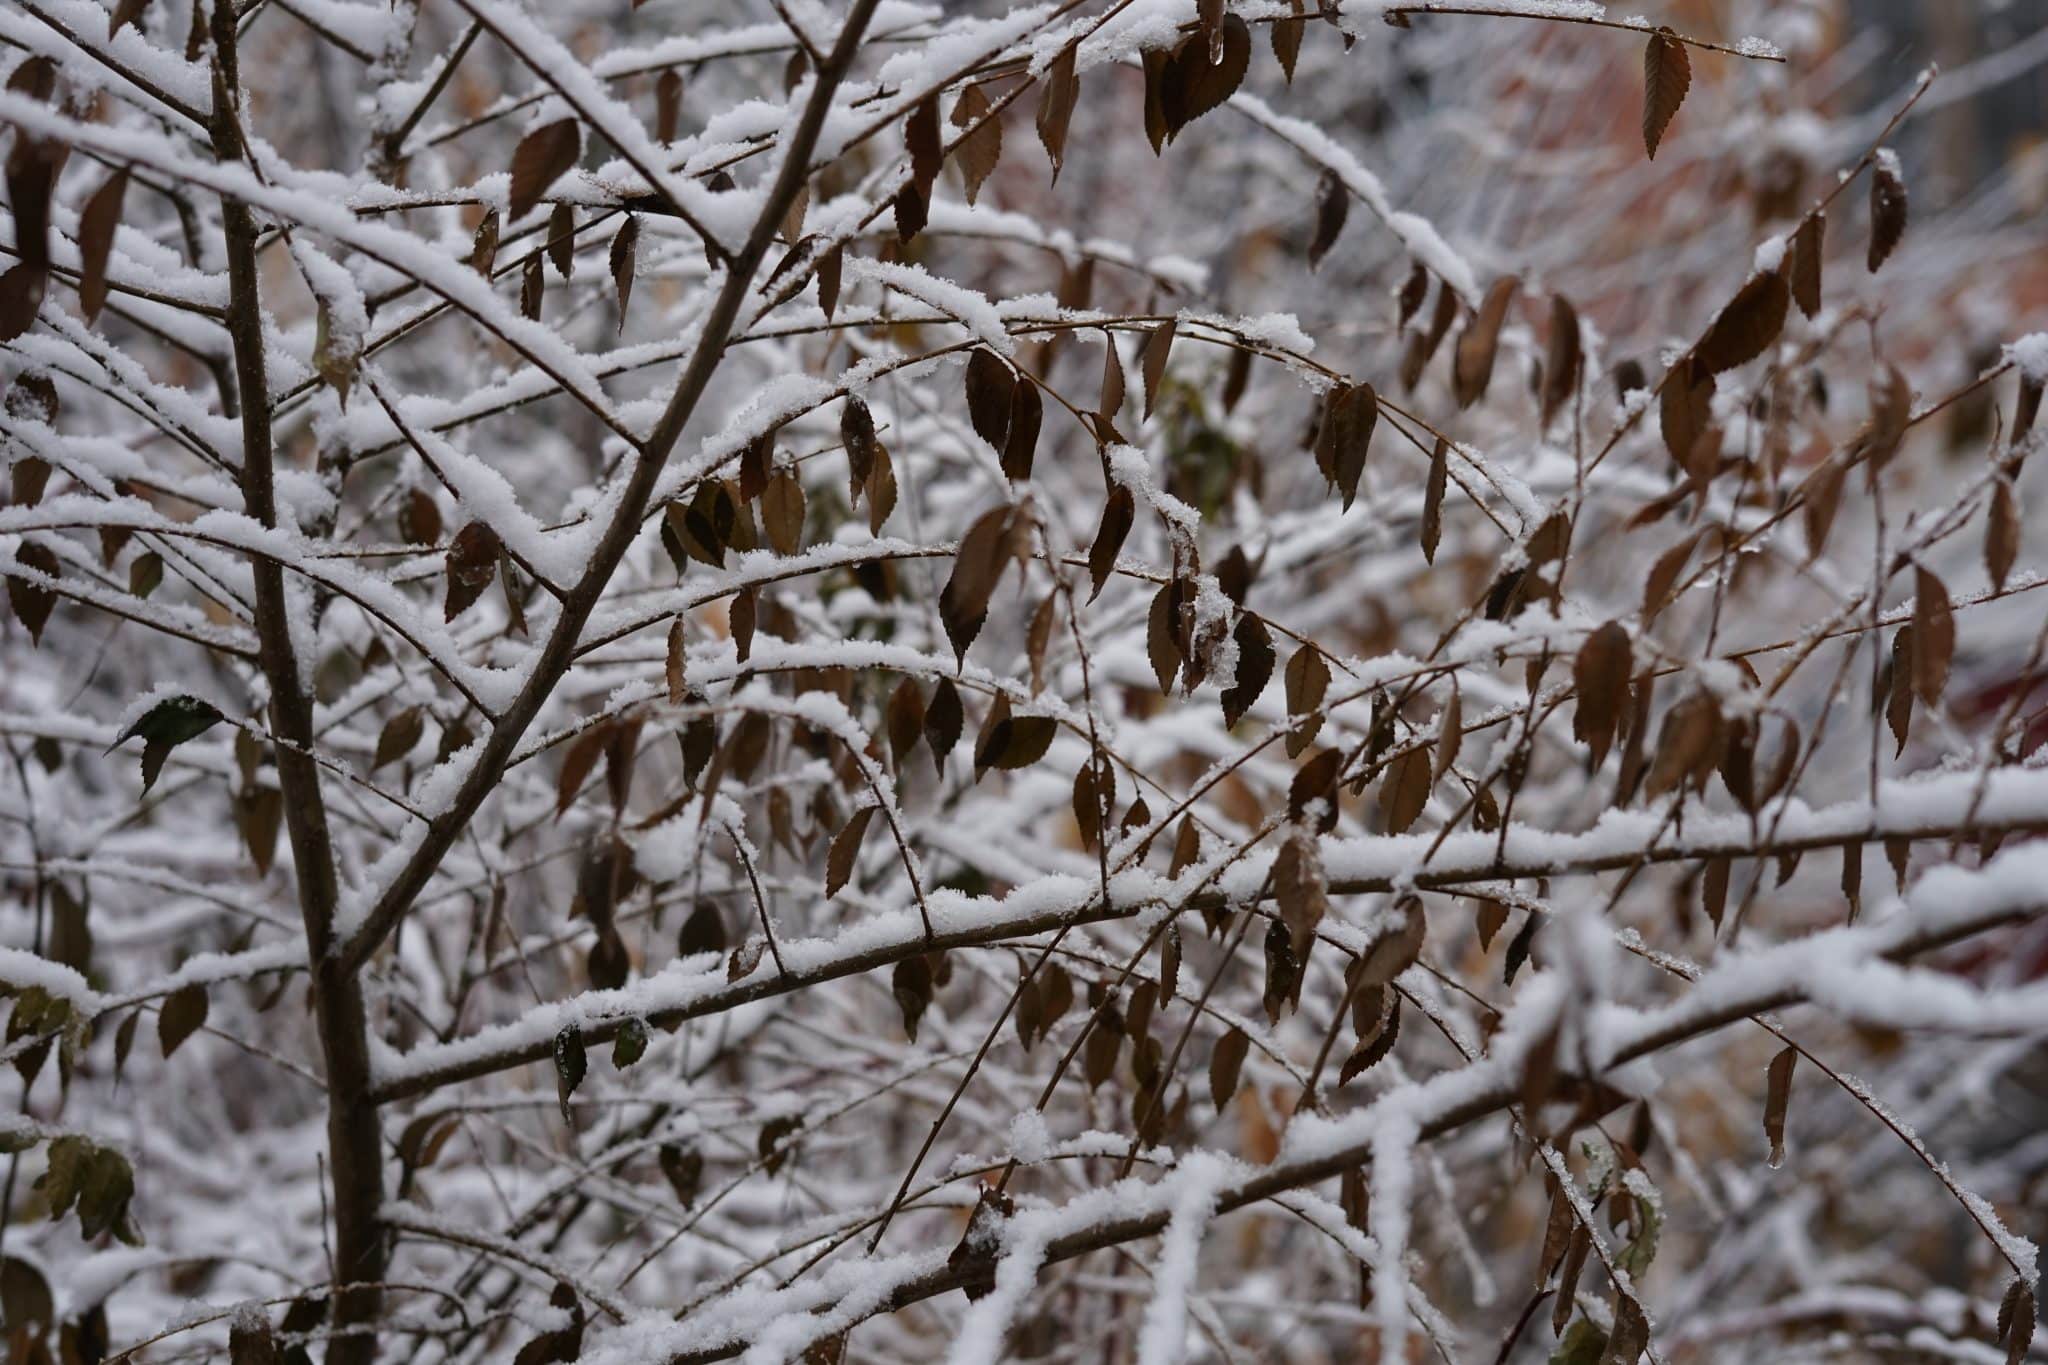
1056 106
845 851
1664 576
472 564
1688 744
991 391
1600 677
668 105
1450 733
625 244
1307 680
1254 668
1433 499
1747 326
1198 77
1472 362
543 156
922 139
1803 262
943 719
1333 203
1562 358
2001 533
96 224
980 148
1887 209
1226 1063
1934 636
782 512
1117 514
1344 436
1667 75
1152 361
1777 1097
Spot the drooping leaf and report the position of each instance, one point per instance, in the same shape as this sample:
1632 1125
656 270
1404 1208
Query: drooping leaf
1056 106
30 600
1561 357
1333 203
1600 675
1226 1061
572 1063
1748 325
400 735
924 142
1020 441
668 105
629 1044
1777 1098
2001 533
1344 436
472 565
943 719
991 392
911 985
1934 637
181 1015
1887 209
1200 75
1472 363
165 726
542 157
1667 75
1117 514
625 246
96 224
980 147
1803 266
1254 668
845 851
683 1166
1433 499
1152 361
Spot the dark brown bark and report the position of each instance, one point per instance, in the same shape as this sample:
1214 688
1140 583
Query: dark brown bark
355 1162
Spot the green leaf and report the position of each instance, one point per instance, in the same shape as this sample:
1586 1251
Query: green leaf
163 727
631 1043
1584 1344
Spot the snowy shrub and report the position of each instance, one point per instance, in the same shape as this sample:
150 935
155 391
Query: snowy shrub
1145 681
